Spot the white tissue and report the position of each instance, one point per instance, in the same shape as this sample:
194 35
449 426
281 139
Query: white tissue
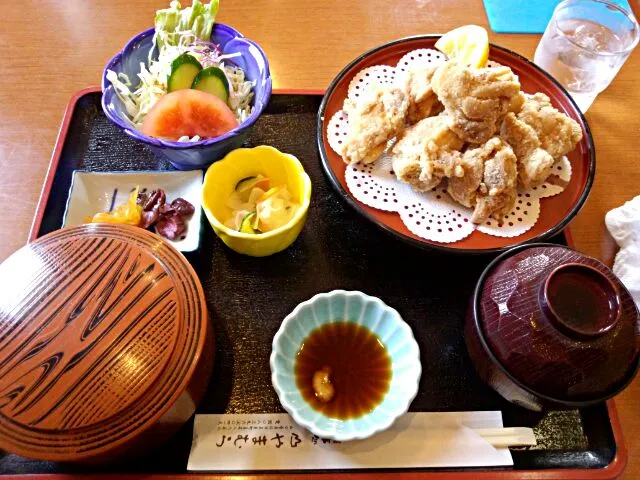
624 225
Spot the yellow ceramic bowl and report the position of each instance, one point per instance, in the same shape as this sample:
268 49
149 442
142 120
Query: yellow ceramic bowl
221 179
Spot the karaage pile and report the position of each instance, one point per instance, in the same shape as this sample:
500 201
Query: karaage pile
470 127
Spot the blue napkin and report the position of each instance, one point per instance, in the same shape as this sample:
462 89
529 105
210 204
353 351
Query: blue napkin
522 16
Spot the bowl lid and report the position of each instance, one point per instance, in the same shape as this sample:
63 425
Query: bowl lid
100 328
559 322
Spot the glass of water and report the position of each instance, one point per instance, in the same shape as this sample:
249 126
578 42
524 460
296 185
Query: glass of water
584 46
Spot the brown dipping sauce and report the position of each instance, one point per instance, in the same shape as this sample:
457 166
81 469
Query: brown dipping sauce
360 369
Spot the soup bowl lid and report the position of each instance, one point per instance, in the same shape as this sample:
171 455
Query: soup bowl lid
558 322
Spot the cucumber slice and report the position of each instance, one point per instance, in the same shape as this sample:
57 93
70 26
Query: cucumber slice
212 80
256 223
243 184
245 225
183 70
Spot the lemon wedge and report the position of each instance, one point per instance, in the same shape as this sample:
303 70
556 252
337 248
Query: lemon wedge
468 45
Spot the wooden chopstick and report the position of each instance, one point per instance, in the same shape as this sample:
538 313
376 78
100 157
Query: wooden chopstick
508 437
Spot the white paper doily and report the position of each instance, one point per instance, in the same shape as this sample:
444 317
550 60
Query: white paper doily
378 74
432 215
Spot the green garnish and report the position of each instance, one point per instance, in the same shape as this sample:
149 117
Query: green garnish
171 22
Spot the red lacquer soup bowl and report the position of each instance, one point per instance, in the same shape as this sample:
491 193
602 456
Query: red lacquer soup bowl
556 212
550 327
105 344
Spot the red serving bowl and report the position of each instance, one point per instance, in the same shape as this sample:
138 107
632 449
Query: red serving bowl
549 326
556 212
105 344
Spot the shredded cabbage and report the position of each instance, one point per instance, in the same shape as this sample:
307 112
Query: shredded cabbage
181 31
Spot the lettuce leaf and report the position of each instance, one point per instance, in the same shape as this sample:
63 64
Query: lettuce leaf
171 23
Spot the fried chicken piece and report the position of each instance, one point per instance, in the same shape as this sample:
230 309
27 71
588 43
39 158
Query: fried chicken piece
423 102
497 193
558 134
423 154
441 150
477 99
374 119
539 134
407 169
463 189
446 164
488 180
534 163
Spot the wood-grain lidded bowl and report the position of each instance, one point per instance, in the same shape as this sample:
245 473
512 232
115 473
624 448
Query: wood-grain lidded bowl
105 344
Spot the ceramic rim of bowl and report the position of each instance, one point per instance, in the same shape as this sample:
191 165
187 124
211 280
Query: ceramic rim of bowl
477 293
423 243
130 130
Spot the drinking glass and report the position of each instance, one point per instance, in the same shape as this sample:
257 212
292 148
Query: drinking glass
585 44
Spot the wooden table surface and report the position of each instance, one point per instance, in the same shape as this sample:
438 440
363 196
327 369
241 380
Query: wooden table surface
52 48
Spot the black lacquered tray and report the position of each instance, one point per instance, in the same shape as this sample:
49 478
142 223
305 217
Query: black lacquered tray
248 297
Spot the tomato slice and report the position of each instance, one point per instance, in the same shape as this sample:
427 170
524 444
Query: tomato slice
188 112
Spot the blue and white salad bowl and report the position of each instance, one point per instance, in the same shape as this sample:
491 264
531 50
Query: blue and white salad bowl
200 154
376 316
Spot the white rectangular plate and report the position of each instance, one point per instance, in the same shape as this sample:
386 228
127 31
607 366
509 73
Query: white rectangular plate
93 192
